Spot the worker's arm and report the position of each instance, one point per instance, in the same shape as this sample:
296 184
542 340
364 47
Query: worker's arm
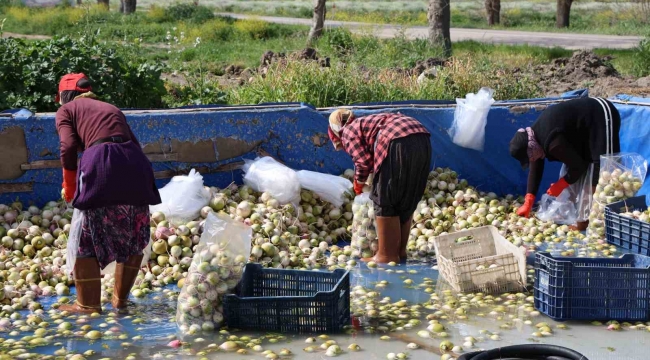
355 145
561 149
69 144
535 173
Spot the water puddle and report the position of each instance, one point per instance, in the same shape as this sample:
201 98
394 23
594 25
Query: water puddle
155 328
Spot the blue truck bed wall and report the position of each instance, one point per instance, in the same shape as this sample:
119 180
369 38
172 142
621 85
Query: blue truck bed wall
215 140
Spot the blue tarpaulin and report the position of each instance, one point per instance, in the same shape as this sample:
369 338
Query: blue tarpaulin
215 139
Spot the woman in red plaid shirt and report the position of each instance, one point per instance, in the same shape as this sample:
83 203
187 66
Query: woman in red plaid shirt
397 149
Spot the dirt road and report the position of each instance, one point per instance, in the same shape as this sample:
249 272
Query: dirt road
570 41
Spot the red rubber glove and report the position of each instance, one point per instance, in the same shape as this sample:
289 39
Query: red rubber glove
524 210
556 188
69 184
358 188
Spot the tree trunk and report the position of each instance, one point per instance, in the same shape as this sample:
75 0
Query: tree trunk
439 16
128 6
100 2
493 8
318 21
563 12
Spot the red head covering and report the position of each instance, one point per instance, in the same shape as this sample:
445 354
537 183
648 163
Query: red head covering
334 138
69 83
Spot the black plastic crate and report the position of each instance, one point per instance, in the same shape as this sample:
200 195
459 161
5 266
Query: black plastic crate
593 289
291 301
624 232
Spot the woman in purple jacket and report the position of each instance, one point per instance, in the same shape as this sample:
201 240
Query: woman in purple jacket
111 190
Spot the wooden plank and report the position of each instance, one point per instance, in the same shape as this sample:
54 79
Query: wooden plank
162 157
16 188
166 174
56 164
41 164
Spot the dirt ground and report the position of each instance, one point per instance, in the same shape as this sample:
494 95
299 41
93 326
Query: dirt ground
586 70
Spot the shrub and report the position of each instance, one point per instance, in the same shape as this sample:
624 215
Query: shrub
157 14
641 65
30 71
188 12
253 28
340 40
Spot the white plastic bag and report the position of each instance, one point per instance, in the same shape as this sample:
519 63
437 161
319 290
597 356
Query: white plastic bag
183 198
329 187
470 118
267 175
573 204
216 269
364 240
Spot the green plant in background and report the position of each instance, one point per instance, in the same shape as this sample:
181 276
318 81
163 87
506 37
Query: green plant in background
340 40
641 64
30 71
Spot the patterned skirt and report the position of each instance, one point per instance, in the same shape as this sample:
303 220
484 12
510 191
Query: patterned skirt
114 233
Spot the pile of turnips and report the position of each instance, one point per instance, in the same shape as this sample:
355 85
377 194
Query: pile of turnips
638 215
284 236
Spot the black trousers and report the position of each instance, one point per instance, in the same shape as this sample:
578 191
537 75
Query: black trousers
399 184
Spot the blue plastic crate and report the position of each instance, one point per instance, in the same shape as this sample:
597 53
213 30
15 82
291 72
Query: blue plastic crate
624 232
593 289
291 301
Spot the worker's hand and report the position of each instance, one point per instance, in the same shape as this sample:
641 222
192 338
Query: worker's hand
358 188
69 185
524 210
556 188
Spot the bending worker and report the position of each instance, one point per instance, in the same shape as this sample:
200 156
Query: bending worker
111 190
397 150
576 132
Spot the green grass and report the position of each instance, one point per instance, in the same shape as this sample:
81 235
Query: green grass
198 46
602 20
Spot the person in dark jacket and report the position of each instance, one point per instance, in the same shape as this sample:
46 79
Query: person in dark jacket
575 132
111 189
397 150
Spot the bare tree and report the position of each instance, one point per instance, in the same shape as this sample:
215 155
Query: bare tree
318 21
563 12
493 8
127 6
439 16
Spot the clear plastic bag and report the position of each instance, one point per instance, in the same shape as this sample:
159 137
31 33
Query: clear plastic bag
470 118
573 204
183 198
328 187
216 269
621 176
364 233
73 241
267 175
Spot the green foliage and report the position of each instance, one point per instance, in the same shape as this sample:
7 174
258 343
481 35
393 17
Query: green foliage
199 88
30 71
189 12
641 64
340 39
341 85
